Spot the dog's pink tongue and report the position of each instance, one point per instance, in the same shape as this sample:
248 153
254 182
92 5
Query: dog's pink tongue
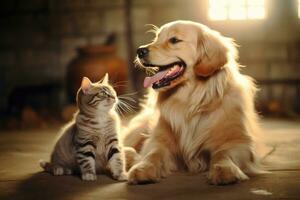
148 81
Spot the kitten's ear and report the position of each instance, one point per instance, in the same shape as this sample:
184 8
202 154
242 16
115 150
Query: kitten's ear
105 79
86 84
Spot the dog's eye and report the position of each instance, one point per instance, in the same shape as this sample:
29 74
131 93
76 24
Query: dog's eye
174 40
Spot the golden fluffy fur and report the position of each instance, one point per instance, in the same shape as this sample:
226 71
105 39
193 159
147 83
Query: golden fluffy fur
205 119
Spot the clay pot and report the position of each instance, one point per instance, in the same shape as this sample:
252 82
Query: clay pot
94 61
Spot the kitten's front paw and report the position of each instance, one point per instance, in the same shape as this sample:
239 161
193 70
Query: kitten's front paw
143 172
89 177
58 171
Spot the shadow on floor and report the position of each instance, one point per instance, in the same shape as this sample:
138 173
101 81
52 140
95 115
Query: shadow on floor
43 186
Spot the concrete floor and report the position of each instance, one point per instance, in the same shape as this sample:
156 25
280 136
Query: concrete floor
21 176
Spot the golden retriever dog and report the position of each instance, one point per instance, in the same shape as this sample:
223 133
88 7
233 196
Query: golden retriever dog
200 113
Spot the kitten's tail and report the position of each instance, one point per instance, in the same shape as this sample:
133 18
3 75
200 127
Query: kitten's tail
45 165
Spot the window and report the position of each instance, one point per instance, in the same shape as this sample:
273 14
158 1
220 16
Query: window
299 8
236 9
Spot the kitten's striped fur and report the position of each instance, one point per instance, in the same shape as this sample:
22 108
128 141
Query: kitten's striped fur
89 144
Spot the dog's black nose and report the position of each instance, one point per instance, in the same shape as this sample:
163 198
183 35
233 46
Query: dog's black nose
142 52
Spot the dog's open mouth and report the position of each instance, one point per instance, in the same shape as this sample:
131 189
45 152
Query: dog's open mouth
165 75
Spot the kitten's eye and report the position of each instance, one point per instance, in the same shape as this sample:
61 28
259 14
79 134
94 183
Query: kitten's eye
102 93
174 40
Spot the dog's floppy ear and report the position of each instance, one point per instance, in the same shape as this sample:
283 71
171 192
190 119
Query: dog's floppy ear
212 53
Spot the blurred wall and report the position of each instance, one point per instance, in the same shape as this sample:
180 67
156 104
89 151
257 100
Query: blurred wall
39 37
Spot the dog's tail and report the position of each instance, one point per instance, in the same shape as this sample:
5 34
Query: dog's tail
256 169
259 166
47 166
268 153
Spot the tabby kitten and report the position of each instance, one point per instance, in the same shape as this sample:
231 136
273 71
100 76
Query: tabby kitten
89 144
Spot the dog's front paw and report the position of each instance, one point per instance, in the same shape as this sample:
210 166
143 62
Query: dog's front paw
121 177
143 172
89 177
223 174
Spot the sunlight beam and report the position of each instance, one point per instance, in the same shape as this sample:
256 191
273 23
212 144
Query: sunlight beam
236 9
